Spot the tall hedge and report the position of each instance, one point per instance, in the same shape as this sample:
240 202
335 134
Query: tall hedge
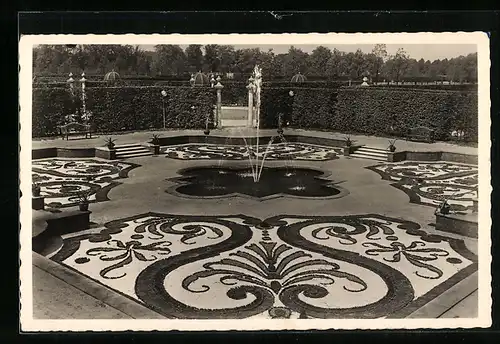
307 108
314 108
371 110
378 111
235 94
123 108
273 102
50 106
136 108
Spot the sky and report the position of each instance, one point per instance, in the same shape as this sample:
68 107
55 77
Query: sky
417 51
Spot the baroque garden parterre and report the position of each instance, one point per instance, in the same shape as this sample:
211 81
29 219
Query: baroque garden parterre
287 266
245 221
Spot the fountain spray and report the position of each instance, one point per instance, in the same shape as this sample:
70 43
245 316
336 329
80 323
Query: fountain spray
258 84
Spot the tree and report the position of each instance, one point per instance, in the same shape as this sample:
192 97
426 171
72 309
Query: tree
457 70
227 56
433 70
412 71
337 65
422 67
194 57
398 64
470 65
377 62
295 62
169 60
211 61
318 61
219 58
246 59
267 64
357 65
373 66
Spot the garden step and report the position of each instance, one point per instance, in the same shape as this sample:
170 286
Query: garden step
377 154
370 157
372 149
130 149
133 155
127 145
371 153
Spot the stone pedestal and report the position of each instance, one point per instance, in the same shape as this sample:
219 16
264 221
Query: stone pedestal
219 88
396 156
68 222
349 150
155 149
105 153
458 224
48 228
475 205
38 203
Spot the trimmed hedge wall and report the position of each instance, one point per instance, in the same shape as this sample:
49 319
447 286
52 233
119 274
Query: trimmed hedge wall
422 87
124 108
274 101
235 94
137 108
374 111
314 108
308 108
50 106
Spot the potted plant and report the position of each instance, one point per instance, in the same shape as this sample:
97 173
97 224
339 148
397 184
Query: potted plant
110 143
348 141
36 189
83 200
155 142
155 139
444 208
392 147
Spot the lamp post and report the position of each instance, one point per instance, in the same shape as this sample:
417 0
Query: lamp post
84 107
163 95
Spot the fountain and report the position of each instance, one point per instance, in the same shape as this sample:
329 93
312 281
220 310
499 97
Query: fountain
253 153
256 180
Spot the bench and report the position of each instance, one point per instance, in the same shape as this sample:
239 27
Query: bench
421 134
75 128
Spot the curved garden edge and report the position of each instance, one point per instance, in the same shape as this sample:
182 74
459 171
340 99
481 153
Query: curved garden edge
397 156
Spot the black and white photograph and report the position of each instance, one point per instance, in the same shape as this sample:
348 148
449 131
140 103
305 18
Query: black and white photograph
277 181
